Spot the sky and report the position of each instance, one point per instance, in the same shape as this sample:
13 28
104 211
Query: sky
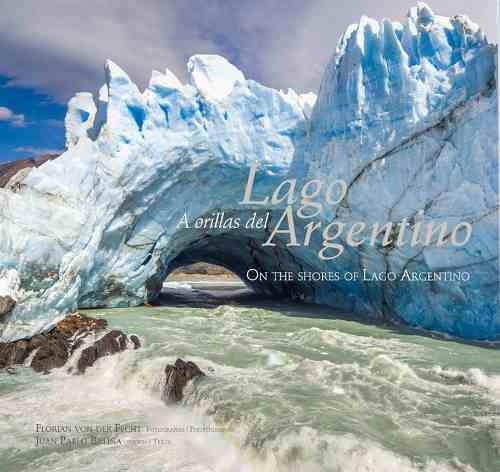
51 49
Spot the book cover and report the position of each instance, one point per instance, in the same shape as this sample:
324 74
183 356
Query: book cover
249 236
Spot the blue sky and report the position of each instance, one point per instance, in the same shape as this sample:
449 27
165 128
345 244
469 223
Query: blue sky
54 48
34 126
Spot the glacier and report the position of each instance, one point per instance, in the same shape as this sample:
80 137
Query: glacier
406 114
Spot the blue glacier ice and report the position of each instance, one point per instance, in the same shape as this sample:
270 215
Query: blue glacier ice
406 114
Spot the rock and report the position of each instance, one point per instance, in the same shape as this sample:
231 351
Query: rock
52 354
76 324
111 343
176 378
37 341
21 351
135 340
5 355
53 349
13 353
7 304
10 169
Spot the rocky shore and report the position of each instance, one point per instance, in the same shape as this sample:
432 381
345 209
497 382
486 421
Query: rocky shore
53 349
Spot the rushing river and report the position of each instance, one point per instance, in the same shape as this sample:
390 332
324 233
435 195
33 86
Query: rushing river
286 390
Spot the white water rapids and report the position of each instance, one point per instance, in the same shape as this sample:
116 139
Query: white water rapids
286 390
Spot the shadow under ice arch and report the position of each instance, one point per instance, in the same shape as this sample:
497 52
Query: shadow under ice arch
244 255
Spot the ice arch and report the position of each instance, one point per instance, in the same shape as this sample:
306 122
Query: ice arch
98 225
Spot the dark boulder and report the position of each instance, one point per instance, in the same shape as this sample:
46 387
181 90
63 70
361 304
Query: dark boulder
111 343
53 349
14 353
38 340
77 324
176 378
7 304
135 341
53 353
20 352
6 354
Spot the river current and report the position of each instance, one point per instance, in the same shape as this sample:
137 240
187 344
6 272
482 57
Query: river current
287 389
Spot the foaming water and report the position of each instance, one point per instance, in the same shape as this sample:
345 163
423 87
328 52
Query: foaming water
285 391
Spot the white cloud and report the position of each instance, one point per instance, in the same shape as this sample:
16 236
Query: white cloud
282 44
7 115
36 151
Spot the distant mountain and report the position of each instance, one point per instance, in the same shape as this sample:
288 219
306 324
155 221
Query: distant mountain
9 169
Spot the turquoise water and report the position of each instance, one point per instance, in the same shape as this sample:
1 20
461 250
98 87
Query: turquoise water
286 390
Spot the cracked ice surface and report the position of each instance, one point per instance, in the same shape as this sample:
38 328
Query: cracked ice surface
406 114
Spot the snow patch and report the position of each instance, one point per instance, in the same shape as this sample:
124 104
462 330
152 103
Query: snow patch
214 76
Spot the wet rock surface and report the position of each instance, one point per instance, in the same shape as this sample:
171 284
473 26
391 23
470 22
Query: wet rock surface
135 341
7 304
53 353
176 378
54 348
111 343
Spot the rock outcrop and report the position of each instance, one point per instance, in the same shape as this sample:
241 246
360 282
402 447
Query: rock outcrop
7 303
10 169
176 378
54 348
111 343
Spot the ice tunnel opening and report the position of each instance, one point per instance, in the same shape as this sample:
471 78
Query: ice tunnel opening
240 257
203 271
203 283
